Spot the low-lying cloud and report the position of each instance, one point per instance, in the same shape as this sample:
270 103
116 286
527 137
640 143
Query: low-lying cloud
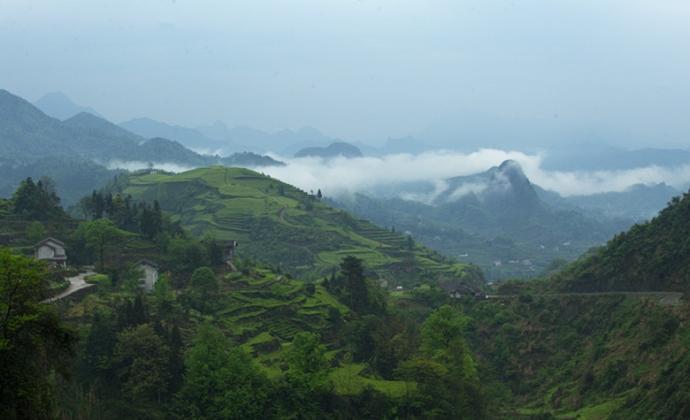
343 176
340 176
134 165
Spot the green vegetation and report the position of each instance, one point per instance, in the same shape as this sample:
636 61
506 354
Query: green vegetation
256 342
35 347
650 256
285 227
593 357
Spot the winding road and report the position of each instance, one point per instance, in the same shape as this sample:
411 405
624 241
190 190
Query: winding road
664 298
76 283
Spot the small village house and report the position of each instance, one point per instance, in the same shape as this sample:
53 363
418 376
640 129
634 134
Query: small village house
52 251
150 273
229 249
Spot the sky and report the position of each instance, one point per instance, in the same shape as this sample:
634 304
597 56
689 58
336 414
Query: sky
495 73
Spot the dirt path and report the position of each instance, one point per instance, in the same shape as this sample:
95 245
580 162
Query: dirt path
664 298
76 283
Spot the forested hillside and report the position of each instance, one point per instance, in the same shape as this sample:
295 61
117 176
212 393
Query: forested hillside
583 357
279 224
650 256
259 342
209 342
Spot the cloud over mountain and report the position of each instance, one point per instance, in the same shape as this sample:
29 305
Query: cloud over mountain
341 175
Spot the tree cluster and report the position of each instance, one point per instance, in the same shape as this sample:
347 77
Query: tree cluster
37 200
140 217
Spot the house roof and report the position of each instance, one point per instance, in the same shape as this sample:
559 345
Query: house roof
50 239
148 262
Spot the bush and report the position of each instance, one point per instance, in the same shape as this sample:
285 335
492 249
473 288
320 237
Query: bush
99 279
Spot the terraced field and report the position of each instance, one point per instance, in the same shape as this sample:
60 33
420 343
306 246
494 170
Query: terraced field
281 225
264 310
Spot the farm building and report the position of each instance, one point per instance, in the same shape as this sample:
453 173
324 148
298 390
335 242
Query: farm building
52 251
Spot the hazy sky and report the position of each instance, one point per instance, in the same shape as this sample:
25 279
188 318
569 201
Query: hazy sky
363 70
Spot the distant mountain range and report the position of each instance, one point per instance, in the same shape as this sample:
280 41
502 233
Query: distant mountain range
495 219
34 144
189 137
58 105
219 139
338 149
639 202
577 150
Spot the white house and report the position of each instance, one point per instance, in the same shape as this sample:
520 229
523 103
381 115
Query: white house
150 270
52 251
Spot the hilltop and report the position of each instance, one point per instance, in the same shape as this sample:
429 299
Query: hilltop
58 105
281 225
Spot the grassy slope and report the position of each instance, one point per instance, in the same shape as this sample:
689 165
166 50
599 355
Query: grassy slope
282 225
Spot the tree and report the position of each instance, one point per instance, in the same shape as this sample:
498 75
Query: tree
410 243
100 234
353 272
204 285
142 358
306 384
163 297
186 255
132 279
99 347
307 356
35 231
33 343
444 370
37 201
221 381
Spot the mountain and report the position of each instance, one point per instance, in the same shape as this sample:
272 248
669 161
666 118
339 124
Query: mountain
590 156
279 224
331 151
503 190
189 137
583 340
638 202
83 147
59 106
26 133
495 219
654 255
285 142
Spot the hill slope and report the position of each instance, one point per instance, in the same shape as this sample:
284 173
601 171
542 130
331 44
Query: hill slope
653 256
494 219
284 226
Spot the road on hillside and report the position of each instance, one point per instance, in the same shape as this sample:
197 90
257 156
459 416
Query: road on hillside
664 298
76 283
